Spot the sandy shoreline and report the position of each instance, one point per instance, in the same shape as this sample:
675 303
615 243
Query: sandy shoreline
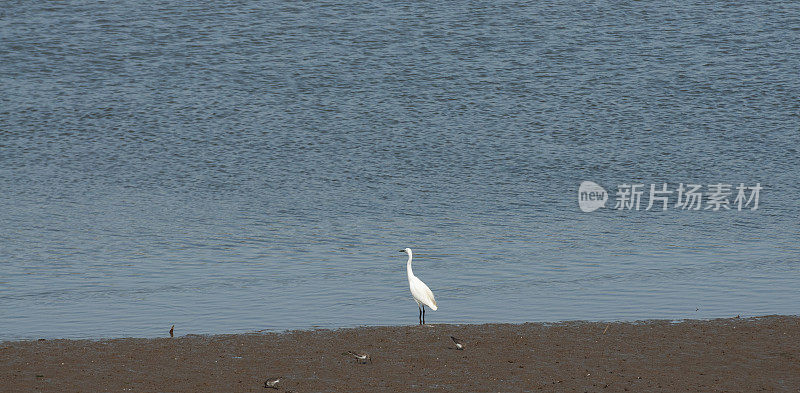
741 355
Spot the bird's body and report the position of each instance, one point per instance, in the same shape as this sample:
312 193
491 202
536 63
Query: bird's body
421 293
272 383
361 357
459 344
172 331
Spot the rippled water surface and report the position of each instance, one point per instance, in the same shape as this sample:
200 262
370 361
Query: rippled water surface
240 166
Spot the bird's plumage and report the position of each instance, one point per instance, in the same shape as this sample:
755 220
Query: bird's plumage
361 357
272 383
421 293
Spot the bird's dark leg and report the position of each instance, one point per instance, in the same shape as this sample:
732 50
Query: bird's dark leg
423 315
420 315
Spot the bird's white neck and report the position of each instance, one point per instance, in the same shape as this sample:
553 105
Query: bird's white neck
408 266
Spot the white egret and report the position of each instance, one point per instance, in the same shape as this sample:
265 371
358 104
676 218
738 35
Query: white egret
421 293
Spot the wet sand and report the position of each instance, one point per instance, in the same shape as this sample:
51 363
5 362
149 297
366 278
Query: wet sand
736 355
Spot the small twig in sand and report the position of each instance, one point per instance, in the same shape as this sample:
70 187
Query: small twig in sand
604 331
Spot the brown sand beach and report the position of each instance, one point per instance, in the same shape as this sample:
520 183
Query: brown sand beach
724 355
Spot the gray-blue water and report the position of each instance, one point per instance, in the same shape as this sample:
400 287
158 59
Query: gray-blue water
240 166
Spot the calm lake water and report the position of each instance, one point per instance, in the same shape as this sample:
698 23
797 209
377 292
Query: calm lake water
245 166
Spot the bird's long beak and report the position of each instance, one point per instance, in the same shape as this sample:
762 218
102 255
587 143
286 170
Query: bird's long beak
402 250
